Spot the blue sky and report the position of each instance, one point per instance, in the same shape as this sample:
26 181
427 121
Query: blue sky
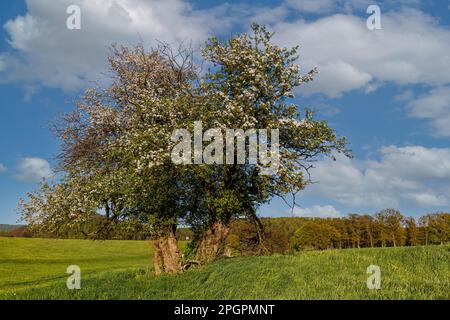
387 90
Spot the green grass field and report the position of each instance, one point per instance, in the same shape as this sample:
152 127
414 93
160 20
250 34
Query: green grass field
26 263
35 269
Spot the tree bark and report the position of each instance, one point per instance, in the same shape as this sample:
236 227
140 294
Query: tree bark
262 249
212 244
371 239
167 257
158 261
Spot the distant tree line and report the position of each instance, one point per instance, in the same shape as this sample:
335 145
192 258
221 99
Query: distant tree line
388 228
18 232
116 231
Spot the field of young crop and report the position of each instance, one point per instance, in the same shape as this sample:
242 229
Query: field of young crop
36 269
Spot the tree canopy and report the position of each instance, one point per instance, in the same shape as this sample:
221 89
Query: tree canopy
116 146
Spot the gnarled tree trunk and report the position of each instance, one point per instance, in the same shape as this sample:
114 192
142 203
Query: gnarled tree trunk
167 257
212 243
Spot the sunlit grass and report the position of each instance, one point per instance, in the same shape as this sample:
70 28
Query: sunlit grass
30 262
35 269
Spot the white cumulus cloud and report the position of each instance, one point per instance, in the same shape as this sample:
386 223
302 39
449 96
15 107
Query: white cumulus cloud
318 211
2 168
401 177
33 169
54 56
411 48
435 107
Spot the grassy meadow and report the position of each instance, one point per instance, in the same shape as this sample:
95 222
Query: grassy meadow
35 269
26 263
